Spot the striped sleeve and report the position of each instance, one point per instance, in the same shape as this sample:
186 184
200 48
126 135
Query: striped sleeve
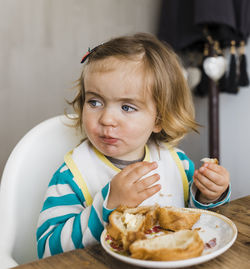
66 222
225 198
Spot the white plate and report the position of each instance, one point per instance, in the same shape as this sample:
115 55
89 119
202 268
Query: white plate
212 225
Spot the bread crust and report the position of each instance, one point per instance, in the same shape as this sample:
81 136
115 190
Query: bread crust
194 249
137 210
112 228
177 219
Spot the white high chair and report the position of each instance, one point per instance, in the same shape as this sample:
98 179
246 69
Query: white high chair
24 182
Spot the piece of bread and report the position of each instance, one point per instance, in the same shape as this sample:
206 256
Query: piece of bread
210 160
179 245
176 219
121 223
128 224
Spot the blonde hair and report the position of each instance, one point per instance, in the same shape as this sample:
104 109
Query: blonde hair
171 94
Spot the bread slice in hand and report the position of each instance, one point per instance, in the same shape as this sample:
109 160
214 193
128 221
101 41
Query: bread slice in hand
210 160
179 245
176 219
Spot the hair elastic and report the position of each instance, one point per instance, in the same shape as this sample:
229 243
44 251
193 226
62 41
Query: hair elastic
85 57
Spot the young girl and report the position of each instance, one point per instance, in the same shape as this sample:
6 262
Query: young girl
134 106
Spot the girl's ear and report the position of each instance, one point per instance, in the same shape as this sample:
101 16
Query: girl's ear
157 128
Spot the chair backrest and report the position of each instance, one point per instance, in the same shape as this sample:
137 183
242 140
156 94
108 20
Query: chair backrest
24 182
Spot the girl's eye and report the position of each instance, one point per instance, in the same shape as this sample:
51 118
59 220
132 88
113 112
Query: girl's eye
94 103
128 108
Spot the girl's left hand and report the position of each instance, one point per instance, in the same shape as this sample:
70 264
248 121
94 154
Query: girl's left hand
212 180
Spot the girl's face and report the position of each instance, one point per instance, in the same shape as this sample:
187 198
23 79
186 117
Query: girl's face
118 114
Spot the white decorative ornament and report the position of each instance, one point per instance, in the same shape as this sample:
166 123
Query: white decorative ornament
215 67
193 77
184 72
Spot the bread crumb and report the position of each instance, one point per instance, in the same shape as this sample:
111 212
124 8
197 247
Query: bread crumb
168 194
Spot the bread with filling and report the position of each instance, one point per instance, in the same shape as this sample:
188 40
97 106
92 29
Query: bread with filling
128 224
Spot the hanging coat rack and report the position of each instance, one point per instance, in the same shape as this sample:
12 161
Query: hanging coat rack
214 67
213 107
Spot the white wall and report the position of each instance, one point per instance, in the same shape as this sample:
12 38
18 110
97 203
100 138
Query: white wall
41 46
42 43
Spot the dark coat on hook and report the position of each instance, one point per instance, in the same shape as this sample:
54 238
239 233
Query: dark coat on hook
181 22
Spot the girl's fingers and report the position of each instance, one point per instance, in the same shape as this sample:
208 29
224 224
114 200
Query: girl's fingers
143 195
213 166
207 183
204 190
130 168
203 184
145 183
137 170
210 176
219 173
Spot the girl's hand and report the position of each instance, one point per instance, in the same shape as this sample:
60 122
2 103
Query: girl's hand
212 180
127 188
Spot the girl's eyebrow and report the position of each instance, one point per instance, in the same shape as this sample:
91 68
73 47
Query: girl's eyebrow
93 93
132 100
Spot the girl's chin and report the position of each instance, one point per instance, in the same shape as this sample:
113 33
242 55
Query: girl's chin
114 154
109 150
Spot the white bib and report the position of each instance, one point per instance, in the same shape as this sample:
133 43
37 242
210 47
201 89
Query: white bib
92 171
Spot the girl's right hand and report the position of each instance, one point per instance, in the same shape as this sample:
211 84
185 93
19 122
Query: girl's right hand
127 188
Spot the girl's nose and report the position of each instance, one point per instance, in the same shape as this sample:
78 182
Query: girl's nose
108 117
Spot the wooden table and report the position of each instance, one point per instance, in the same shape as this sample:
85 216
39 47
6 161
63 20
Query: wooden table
236 257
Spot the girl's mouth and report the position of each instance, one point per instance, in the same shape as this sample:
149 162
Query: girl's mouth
109 140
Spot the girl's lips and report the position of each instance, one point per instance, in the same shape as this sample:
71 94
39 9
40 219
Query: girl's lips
109 140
